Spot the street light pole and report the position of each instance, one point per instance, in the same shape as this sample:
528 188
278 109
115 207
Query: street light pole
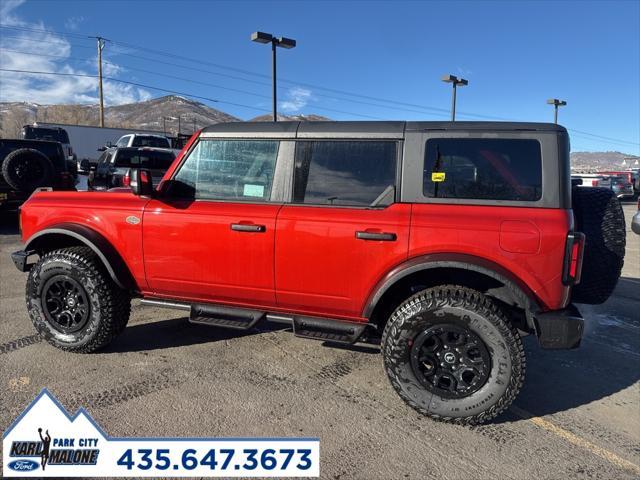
288 43
556 103
455 81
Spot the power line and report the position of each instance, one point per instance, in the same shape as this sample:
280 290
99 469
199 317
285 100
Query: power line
395 103
151 87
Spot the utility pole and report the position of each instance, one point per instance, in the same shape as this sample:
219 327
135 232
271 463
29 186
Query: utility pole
100 47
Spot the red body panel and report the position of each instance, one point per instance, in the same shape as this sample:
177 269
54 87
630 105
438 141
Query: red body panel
190 250
104 212
528 242
320 264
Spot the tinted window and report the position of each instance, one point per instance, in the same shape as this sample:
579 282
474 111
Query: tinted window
479 168
343 173
144 159
150 141
41 133
228 169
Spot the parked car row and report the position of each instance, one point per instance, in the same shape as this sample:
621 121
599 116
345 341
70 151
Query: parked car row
622 183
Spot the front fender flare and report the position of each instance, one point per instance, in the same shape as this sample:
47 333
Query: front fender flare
113 262
517 287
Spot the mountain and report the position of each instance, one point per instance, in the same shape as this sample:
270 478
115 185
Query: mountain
284 118
602 161
147 115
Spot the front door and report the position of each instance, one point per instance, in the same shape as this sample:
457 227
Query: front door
210 235
344 229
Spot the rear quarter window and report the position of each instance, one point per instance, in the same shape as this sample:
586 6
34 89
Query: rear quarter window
483 169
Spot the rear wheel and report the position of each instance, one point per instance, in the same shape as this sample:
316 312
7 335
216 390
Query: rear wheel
72 301
451 354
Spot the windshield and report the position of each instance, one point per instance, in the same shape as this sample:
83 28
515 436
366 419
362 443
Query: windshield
40 133
150 141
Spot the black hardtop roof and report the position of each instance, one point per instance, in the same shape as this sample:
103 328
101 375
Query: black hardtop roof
303 129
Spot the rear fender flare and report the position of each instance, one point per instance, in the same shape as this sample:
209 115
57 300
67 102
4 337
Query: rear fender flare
106 252
521 292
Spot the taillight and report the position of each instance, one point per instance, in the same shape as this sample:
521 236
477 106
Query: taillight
594 183
126 180
573 254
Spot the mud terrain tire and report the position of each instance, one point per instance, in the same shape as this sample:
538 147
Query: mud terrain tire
600 217
26 169
74 277
469 311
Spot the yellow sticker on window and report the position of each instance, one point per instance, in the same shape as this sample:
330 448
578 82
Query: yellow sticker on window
437 176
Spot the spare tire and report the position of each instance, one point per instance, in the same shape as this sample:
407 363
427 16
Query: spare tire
599 216
26 169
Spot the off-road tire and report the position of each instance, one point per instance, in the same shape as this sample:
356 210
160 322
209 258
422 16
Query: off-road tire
26 169
599 216
483 318
109 305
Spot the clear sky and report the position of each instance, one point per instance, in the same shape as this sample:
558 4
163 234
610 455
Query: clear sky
354 60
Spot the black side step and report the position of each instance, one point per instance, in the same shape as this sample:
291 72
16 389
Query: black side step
240 319
327 330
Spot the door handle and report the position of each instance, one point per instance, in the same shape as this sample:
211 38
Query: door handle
248 227
383 236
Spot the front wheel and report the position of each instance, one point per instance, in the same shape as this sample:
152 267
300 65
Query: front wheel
72 301
452 355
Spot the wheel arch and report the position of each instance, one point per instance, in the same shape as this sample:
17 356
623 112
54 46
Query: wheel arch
71 234
436 269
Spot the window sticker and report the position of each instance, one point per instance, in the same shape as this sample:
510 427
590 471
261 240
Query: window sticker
438 176
253 190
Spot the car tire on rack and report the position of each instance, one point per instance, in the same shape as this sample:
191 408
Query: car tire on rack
26 169
73 302
452 355
600 217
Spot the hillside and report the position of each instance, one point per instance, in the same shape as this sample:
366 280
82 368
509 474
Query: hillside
596 161
146 115
284 118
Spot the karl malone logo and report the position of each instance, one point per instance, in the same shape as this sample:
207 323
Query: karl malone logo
64 441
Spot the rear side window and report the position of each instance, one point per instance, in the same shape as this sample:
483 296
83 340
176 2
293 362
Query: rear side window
150 141
483 169
347 173
228 170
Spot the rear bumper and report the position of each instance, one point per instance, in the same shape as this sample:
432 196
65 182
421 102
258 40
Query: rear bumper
560 329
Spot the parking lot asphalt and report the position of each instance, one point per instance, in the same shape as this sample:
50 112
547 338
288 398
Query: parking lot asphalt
578 415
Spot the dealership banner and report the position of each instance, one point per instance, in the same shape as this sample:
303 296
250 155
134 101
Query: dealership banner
45 441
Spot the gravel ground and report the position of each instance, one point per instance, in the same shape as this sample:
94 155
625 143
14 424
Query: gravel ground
578 415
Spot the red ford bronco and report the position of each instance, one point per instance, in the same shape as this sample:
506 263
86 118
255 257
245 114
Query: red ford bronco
446 242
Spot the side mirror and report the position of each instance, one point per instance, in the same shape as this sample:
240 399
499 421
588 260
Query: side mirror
141 182
85 164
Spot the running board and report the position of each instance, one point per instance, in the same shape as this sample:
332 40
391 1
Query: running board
217 316
327 330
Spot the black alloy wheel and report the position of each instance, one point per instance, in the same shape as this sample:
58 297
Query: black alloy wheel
65 304
450 361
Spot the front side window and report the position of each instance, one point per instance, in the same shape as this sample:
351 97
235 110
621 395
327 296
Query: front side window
347 173
483 168
228 170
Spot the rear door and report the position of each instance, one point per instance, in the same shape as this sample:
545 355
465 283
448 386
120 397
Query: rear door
210 236
344 230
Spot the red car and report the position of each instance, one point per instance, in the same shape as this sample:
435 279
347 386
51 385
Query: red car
446 242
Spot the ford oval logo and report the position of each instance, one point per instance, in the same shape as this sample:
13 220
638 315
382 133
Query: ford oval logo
23 465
